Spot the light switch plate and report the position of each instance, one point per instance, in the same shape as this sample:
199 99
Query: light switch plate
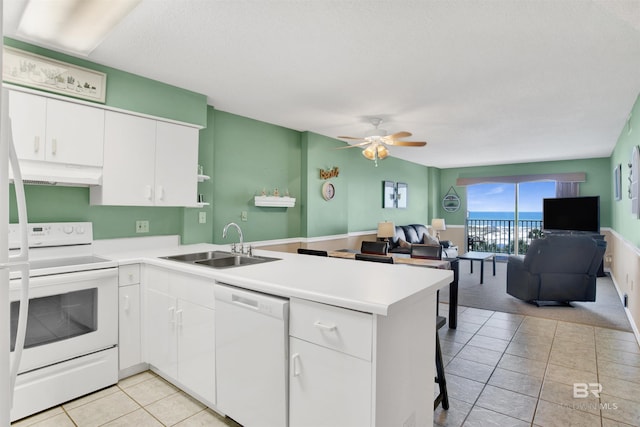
202 217
243 216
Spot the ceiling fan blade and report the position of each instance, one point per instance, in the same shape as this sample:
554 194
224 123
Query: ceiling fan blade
351 137
408 143
362 144
402 134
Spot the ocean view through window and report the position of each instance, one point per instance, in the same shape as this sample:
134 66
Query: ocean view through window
492 225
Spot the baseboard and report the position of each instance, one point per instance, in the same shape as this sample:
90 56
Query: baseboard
636 333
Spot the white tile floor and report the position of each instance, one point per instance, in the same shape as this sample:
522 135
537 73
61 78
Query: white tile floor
512 370
501 369
143 400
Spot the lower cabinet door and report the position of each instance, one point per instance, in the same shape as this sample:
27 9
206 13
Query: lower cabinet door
196 349
327 387
129 341
160 332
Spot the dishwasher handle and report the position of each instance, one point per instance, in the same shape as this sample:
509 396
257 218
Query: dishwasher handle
246 302
243 299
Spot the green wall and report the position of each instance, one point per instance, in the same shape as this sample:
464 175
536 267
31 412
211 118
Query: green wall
135 93
357 205
598 182
250 156
622 220
193 230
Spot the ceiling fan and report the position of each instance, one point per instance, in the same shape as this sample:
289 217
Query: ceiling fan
377 141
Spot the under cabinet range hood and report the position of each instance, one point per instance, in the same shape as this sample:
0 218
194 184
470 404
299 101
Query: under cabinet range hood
62 174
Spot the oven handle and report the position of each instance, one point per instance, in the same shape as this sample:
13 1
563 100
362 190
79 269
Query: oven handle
72 277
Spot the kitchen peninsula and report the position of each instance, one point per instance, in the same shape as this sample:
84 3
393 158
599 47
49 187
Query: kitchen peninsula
361 335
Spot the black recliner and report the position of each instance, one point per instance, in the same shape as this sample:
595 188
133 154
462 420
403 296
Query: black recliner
558 268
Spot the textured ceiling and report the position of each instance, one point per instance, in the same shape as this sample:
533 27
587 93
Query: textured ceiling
484 82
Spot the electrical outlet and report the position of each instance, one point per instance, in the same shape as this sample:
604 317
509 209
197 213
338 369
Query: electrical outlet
202 217
142 226
243 216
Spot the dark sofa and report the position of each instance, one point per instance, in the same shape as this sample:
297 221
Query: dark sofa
406 235
559 268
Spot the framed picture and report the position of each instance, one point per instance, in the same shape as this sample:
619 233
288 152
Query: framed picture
27 69
617 182
388 194
402 195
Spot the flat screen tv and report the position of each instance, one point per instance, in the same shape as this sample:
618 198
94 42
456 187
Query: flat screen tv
571 214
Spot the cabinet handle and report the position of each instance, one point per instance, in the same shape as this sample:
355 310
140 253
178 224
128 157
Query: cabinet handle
296 365
36 144
172 315
160 192
54 146
126 303
318 324
148 192
179 316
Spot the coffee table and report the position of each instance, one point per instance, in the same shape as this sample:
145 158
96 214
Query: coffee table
482 257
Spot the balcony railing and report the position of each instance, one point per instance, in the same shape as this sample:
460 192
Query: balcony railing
497 235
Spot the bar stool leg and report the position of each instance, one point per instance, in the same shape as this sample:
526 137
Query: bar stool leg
443 396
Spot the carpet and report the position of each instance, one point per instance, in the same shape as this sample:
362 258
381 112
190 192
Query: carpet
606 312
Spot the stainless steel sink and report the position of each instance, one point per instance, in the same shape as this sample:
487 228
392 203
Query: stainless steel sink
198 256
219 259
234 261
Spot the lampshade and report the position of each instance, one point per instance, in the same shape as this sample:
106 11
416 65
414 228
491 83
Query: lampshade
386 229
438 224
373 149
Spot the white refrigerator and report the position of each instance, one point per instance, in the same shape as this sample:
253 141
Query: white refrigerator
9 361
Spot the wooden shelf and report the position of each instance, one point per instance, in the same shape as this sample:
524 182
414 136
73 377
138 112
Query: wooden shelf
275 201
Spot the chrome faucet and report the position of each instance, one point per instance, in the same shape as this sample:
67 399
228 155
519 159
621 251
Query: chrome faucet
224 235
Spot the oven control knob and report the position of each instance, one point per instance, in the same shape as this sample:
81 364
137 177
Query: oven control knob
79 229
68 229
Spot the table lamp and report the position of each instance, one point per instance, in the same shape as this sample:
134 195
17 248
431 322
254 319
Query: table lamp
385 230
438 225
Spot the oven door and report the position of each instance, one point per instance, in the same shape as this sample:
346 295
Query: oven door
70 315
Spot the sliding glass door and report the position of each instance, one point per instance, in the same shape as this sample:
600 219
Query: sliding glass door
505 217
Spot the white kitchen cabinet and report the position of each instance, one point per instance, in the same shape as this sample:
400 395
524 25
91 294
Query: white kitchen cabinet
129 321
315 400
147 163
56 131
176 165
179 332
129 330
345 367
330 365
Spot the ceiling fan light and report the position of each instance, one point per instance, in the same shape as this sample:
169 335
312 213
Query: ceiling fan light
382 152
369 152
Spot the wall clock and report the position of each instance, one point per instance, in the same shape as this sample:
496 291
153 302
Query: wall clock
328 191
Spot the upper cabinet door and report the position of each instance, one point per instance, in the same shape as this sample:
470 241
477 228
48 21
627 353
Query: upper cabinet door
129 169
28 116
75 133
176 165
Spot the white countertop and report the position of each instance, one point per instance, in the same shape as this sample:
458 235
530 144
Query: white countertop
365 286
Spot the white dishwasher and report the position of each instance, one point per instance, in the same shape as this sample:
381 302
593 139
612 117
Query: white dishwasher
252 347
